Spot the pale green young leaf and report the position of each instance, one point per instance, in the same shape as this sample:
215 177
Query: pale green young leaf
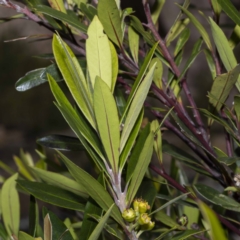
24 236
157 139
235 37
176 29
237 107
230 10
199 27
95 189
97 231
216 7
70 19
136 106
109 15
115 65
131 140
74 77
216 231
211 63
98 52
141 167
59 180
157 9
78 124
10 205
107 121
133 39
23 168
183 38
157 76
58 5
222 85
139 79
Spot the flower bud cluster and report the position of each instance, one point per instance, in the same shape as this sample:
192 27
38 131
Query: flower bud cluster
138 214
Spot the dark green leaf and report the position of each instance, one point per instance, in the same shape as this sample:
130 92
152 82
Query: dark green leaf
237 107
235 37
211 63
212 195
183 38
88 10
53 195
186 234
33 216
60 142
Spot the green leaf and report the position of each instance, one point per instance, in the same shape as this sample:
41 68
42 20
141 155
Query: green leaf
212 195
88 10
211 63
216 7
222 86
59 180
157 139
115 65
95 189
176 29
33 216
24 236
237 107
230 10
235 37
131 140
78 124
61 142
157 75
183 38
165 219
52 195
133 39
70 19
136 105
74 77
107 121
186 234
216 230
37 77
59 230
141 167
97 231
109 15
199 27
157 9
10 206
98 53
58 5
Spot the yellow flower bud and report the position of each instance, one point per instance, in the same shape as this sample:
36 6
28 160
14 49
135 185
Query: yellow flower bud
129 215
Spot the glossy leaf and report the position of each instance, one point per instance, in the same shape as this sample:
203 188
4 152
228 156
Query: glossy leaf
199 27
216 231
176 29
95 189
33 216
211 63
109 16
212 195
222 86
73 21
59 180
61 142
133 39
10 205
107 121
136 105
74 77
24 236
52 195
98 52
97 231
230 10
78 125
183 38
141 167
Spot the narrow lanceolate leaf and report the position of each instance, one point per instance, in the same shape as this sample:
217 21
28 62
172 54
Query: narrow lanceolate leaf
139 79
157 8
58 5
10 206
70 19
61 181
216 7
133 39
157 139
33 216
109 15
78 124
97 231
95 189
141 167
216 231
183 38
199 27
237 107
157 76
235 37
230 10
52 195
74 77
114 65
222 86
98 53
136 106
211 63
107 121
